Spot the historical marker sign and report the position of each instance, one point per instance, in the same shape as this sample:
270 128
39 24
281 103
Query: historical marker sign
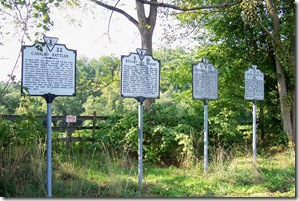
205 81
140 79
254 90
254 84
48 68
140 75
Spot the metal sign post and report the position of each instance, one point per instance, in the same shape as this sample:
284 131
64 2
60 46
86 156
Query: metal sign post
205 87
140 140
206 131
49 98
254 131
49 149
140 79
254 90
48 70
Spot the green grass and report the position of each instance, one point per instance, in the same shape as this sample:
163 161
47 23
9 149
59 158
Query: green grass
107 173
272 177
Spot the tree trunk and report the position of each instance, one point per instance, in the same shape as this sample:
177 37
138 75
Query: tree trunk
293 136
146 28
145 25
281 78
261 122
285 109
291 9
146 41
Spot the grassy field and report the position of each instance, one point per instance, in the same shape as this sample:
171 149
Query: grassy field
109 174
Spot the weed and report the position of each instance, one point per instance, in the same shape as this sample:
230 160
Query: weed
109 173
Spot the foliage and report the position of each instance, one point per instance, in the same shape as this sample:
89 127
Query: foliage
231 45
27 129
175 70
167 137
108 173
10 101
164 143
253 30
174 135
99 81
33 15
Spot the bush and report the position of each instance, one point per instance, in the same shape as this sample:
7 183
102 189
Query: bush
166 135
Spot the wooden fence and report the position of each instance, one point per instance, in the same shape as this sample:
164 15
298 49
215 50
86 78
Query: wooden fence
68 127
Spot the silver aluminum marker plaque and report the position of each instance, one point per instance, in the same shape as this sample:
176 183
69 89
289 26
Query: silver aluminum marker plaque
204 81
48 69
140 75
254 84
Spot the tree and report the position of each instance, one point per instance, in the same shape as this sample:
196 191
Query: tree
277 20
39 10
146 23
271 30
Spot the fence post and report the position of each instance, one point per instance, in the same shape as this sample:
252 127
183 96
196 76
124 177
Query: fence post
94 124
69 136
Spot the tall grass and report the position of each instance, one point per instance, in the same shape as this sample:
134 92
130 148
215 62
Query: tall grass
23 171
106 172
93 172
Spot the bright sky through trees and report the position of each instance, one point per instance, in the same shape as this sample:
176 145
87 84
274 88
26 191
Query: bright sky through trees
80 30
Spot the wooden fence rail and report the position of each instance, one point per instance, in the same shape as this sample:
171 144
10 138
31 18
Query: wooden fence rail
69 128
54 118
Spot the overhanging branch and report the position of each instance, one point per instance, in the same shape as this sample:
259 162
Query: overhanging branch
110 20
166 5
113 8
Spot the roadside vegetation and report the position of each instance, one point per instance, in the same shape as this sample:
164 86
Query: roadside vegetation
232 38
86 172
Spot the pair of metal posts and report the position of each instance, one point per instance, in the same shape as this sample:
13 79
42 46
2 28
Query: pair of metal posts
206 131
49 98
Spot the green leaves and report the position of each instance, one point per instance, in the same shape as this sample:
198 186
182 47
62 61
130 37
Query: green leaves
23 16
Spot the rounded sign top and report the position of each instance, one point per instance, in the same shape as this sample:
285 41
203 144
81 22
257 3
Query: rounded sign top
140 75
254 84
204 81
48 70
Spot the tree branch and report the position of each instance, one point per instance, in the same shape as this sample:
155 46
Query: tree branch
153 12
166 5
140 12
129 17
265 29
110 21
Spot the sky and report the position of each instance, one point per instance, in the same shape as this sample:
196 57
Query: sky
89 38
